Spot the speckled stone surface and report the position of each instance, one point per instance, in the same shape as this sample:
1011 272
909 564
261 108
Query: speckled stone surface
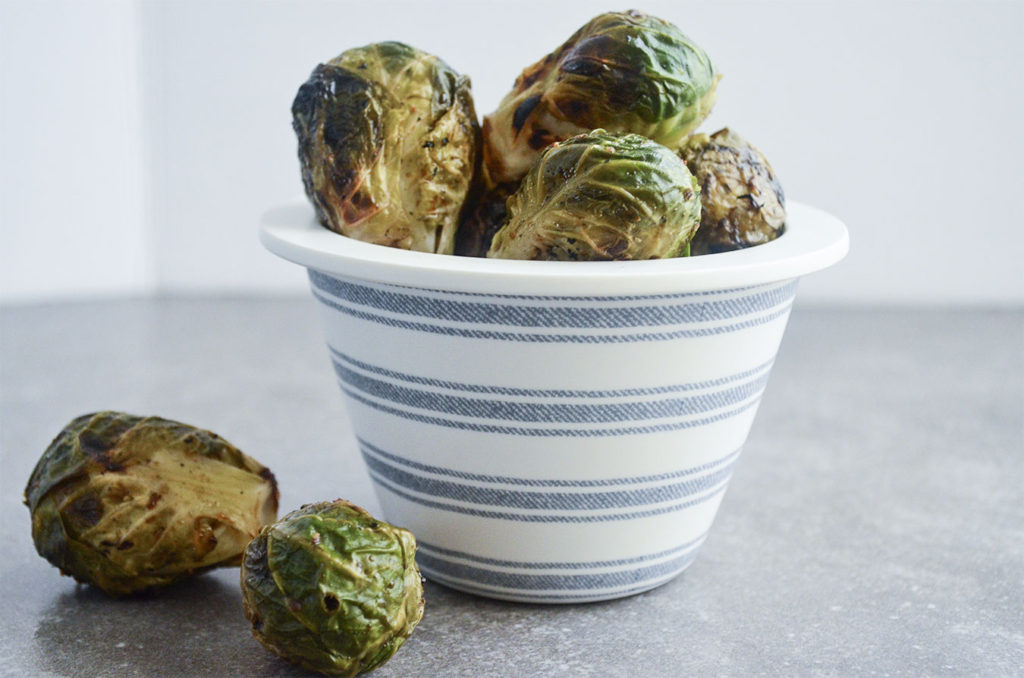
874 525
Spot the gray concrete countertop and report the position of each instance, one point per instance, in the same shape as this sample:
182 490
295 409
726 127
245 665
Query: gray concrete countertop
873 526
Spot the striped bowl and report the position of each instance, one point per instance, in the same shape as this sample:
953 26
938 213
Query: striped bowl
552 432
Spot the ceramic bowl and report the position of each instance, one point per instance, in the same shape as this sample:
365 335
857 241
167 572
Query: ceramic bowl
552 432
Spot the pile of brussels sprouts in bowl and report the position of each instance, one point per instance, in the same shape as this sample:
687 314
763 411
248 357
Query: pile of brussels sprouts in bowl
591 157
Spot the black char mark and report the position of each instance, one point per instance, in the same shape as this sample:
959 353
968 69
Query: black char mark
523 112
95 447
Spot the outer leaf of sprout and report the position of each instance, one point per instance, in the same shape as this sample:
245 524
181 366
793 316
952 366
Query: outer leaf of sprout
742 201
128 503
332 589
388 141
601 196
622 71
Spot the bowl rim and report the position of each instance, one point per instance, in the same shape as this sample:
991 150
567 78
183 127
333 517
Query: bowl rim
813 240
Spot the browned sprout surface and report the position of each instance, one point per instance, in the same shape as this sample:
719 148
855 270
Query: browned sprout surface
128 503
742 203
621 71
485 214
388 141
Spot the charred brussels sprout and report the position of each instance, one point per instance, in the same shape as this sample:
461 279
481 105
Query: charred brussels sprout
129 503
484 215
622 71
601 196
742 201
388 139
331 589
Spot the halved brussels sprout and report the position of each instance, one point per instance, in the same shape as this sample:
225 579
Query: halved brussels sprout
622 71
602 196
742 203
388 140
130 503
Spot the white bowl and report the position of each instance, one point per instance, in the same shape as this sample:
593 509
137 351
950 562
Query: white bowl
552 432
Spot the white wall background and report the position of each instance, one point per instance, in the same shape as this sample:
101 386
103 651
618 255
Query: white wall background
140 141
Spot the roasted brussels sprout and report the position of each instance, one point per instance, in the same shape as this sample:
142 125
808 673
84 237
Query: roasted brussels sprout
601 196
485 214
331 589
622 71
388 139
128 503
742 201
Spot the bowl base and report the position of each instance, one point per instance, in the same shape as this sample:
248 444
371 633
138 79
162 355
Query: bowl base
549 597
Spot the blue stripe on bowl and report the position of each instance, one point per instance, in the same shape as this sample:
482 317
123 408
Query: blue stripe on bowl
566 517
546 412
518 581
540 500
543 393
401 302
527 337
548 432
368 448
572 298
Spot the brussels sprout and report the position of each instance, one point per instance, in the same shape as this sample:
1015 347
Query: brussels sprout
388 139
483 217
622 71
600 196
129 503
331 589
742 201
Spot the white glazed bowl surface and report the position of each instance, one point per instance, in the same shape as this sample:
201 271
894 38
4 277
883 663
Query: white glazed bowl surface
552 432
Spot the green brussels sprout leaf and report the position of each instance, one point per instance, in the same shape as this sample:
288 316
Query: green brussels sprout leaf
601 196
332 589
622 71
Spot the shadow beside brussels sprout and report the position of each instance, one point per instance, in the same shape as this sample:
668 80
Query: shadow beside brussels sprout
191 628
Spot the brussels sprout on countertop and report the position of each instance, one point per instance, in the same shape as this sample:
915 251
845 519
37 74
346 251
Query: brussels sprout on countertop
601 196
332 589
128 503
742 201
388 140
622 71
